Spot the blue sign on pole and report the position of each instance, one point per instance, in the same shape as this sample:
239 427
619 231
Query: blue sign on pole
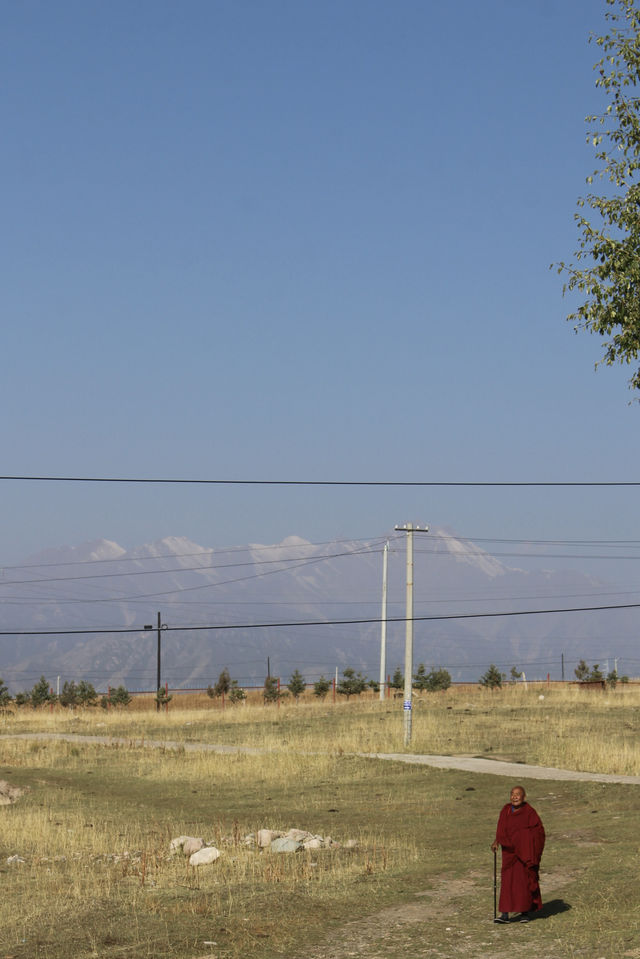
406 704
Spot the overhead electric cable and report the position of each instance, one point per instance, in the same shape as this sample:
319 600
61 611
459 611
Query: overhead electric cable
264 482
334 622
250 547
187 569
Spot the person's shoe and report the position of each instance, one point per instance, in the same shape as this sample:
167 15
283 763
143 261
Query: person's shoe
503 917
523 917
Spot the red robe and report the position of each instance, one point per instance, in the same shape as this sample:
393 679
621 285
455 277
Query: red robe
521 834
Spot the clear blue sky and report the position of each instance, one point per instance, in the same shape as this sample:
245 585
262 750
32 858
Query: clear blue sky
299 240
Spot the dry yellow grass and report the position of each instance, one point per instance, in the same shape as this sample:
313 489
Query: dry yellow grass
555 725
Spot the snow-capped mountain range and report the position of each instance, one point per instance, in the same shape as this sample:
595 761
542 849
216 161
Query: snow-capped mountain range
293 605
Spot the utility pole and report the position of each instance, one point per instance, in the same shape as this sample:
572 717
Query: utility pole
159 678
383 628
409 529
160 627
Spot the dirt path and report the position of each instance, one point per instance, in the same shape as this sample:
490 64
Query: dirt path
472 764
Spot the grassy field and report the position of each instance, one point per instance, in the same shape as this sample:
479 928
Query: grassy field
95 823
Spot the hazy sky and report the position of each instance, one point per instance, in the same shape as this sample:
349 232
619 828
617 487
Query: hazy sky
300 240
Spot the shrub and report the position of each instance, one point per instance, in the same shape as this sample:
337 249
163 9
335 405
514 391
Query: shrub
236 693
352 683
270 692
296 685
222 686
82 694
432 681
438 679
493 678
41 693
118 697
5 698
581 672
163 698
321 687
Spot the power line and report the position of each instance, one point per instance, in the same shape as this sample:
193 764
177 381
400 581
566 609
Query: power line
335 622
201 552
263 482
189 569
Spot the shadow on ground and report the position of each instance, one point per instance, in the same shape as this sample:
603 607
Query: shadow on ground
552 908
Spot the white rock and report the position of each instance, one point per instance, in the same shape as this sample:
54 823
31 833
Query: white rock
284 844
298 835
176 843
266 837
204 856
192 845
188 845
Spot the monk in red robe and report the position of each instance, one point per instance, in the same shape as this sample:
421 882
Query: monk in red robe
520 833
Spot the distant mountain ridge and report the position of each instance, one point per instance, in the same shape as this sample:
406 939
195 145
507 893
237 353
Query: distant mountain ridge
225 607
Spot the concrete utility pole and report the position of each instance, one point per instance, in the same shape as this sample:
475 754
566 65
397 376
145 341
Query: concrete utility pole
409 529
383 628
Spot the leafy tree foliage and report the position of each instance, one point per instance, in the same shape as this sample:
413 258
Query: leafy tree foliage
581 672
163 698
41 693
596 675
236 693
420 677
271 693
607 271
227 687
5 698
352 683
80 694
515 675
432 681
296 685
586 675
397 680
321 687
223 685
493 678
118 697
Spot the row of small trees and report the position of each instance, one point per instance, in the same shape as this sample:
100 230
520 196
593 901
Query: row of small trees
494 679
73 694
352 683
593 674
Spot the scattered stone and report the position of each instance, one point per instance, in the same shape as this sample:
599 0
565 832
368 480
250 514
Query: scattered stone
299 835
204 857
9 793
191 846
272 839
283 844
186 844
313 844
266 837
15 860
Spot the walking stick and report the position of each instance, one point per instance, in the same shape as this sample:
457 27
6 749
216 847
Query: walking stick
495 885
